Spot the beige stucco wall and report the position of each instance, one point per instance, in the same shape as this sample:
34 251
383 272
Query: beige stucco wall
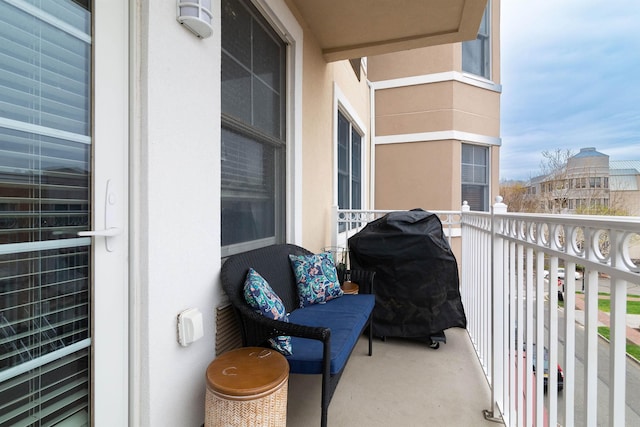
427 173
319 187
417 175
442 106
429 60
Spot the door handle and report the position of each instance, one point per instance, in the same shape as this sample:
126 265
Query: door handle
110 230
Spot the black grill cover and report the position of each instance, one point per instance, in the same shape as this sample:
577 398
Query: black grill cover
416 282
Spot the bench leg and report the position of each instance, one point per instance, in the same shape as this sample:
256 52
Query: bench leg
371 336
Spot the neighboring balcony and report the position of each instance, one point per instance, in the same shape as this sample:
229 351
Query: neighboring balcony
520 310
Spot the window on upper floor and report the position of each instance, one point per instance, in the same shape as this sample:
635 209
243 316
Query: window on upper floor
476 54
475 176
253 144
349 164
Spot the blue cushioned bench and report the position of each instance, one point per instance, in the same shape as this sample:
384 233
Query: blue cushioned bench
323 335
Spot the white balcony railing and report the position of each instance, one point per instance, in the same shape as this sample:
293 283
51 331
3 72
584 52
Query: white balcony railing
348 222
510 265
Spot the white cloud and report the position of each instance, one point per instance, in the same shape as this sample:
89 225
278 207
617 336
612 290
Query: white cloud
571 79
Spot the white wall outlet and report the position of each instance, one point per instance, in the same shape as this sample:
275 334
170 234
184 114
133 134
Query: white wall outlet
190 326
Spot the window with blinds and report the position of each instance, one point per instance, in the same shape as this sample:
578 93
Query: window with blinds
475 176
45 148
253 130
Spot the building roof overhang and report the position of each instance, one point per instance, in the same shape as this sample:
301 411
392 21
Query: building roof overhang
348 29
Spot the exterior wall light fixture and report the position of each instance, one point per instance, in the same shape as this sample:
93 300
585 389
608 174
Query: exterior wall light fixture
196 16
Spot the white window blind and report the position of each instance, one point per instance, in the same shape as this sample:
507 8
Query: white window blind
45 147
475 176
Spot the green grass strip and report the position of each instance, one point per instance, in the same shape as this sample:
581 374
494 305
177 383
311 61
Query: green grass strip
633 307
632 349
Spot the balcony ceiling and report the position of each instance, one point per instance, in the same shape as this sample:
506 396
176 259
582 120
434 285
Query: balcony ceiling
349 29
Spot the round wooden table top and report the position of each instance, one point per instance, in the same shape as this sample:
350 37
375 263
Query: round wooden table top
350 288
247 371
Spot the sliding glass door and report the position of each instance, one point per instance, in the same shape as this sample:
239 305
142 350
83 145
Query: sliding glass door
47 180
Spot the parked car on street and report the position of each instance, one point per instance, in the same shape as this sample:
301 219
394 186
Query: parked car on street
546 369
561 277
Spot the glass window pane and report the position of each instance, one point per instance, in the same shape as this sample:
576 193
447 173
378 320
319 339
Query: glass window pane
236 89
356 153
248 188
236 31
45 57
476 53
343 191
42 82
467 173
475 176
356 196
467 153
266 109
49 395
268 58
480 174
476 196
44 187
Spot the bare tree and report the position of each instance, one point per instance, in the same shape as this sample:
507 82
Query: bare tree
515 196
551 193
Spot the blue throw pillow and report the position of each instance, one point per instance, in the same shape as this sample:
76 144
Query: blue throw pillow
261 297
317 278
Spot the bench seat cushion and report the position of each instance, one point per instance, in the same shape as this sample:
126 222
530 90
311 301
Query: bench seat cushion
345 316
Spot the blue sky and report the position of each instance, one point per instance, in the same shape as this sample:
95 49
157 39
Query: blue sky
570 72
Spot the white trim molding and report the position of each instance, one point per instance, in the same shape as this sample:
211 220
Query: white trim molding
438 136
447 76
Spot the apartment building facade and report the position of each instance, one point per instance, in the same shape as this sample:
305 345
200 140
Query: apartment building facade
589 183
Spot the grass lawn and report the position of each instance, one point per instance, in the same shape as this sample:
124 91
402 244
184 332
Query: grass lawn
633 307
632 349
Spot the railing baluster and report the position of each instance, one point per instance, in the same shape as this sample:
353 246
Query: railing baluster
503 285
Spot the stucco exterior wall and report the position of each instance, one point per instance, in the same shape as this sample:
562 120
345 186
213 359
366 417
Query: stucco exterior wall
436 107
176 165
418 175
429 60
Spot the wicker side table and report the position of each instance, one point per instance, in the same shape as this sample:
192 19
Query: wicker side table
247 387
349 287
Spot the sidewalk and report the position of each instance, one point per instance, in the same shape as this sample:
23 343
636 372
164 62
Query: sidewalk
633 320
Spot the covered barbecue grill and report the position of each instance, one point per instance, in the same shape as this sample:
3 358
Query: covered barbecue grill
416 282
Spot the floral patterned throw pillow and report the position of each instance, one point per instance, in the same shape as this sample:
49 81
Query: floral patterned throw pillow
261 297
316 277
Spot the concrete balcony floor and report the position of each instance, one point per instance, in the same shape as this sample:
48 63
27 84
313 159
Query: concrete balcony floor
404 383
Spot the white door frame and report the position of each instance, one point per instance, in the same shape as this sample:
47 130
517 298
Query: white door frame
110 164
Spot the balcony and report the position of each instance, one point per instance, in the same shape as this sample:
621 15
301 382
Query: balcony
513 310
